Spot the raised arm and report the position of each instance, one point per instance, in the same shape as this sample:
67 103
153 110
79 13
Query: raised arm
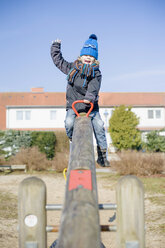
58 60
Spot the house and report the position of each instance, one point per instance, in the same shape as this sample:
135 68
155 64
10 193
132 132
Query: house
39 110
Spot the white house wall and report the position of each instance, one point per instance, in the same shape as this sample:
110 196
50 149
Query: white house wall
142 113
39 118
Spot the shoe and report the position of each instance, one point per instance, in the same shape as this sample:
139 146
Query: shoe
102 158
105 163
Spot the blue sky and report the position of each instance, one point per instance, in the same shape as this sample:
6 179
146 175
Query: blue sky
131 38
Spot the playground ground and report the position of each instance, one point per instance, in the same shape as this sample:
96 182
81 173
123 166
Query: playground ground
154 208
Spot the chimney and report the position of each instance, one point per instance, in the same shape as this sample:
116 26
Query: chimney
37 89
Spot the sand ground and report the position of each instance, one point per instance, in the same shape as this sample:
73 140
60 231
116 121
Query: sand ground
55 184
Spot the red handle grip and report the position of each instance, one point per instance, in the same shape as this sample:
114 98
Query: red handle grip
79 101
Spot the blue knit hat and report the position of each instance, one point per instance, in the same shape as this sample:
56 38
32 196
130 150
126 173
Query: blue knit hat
90 47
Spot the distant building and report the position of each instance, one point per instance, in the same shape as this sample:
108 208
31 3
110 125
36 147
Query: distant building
39 110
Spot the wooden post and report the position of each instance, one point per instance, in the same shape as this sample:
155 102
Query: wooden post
130 213
80 226
32 213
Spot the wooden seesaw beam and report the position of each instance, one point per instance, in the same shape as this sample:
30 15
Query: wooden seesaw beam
80 226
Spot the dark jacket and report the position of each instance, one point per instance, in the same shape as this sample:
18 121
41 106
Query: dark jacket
77 91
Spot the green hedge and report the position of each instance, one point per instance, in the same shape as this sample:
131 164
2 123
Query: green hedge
45 142
48 142
12 140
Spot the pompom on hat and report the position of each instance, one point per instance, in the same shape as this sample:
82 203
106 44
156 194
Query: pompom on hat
90 47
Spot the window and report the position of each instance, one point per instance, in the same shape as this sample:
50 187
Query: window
27 115
19 115
150 114
158 114
23 115
53 114
154 114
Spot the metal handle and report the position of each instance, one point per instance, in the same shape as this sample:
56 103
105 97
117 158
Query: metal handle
81 101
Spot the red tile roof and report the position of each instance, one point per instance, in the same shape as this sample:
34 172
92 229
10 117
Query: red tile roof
131 98
32 98
58 99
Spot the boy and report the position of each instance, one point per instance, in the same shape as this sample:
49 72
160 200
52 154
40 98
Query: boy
84 80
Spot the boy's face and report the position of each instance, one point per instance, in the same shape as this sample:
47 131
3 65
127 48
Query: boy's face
87 59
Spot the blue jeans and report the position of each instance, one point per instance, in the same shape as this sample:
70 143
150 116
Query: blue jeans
97 124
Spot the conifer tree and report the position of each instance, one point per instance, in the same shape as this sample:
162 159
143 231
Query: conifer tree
122 127
156 141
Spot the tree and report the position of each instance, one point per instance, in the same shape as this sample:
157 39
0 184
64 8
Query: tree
12 140
122 127
155 141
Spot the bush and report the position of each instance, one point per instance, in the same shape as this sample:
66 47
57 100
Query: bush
139 163
60 161
123 131
3 161
12 140
35 160
32 157
62 142
39 151
45 141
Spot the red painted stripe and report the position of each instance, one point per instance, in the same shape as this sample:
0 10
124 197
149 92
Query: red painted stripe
80 178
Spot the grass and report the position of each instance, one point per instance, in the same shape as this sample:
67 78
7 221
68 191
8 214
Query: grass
8 206
154 185
108 176
155 221
162 228
158 200
155 193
